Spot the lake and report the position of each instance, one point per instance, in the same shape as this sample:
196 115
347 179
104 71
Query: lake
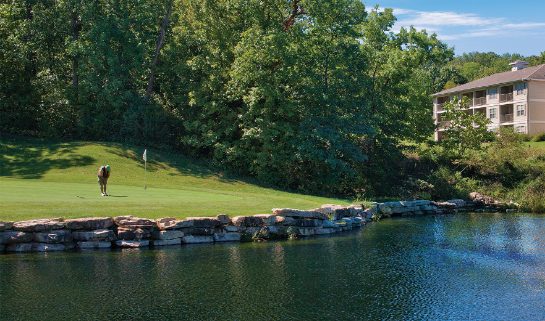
458 267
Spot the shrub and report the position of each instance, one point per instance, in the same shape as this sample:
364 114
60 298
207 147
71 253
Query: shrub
539 137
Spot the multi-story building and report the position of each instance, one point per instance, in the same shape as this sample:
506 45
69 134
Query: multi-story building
514 99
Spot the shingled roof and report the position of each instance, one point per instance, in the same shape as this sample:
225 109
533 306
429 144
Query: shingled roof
536 72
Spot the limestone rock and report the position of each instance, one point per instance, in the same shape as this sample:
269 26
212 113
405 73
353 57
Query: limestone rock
5 226
227 237
328 224
133 233
192 239
202 222
46 247
132 244
288 212
89 223
231 229
271 219
224 219
289 221
168 223
247 221
19 247
307 231
94 245
56 236
96 235
39 225
11 237
458 202
199 230
323 231
176 241
167 235
130 221
308 223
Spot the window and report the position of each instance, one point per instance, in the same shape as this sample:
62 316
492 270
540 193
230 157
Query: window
493 93
520 129
521 110
520 88
492 113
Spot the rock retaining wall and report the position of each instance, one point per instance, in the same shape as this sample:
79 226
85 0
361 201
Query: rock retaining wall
45 235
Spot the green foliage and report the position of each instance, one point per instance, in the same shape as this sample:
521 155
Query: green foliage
465 131
307 95
538 137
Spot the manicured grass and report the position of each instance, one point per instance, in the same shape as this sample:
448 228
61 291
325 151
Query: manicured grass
535 145
58 179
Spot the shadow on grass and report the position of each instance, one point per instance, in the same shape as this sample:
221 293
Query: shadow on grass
32 159
164 160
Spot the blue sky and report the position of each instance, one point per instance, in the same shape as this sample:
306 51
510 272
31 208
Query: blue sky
480 25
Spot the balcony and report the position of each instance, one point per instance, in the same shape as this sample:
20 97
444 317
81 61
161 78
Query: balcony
506 97
480 101
506 118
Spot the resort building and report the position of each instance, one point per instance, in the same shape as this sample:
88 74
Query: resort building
514 99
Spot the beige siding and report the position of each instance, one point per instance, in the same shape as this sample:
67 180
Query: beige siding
536 107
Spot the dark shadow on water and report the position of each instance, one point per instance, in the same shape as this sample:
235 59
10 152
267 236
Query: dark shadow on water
33 158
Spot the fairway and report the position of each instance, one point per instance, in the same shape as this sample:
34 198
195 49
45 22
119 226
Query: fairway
43 179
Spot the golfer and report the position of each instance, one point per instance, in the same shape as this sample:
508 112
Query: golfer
103 175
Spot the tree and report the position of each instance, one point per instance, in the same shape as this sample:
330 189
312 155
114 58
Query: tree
465 130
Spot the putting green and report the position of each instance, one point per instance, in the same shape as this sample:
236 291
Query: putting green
51 179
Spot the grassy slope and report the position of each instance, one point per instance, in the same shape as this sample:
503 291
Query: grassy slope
55 179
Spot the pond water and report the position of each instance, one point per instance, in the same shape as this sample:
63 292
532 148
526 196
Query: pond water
464 267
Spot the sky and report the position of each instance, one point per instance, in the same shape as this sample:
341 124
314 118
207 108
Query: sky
499 26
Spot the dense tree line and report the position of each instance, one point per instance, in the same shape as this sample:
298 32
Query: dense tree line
474 65
310 95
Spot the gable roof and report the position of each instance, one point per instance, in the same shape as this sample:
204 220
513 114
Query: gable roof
535 72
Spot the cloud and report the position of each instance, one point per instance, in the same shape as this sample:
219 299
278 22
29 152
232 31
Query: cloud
449 25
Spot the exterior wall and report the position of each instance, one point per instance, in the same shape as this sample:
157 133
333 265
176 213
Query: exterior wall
536 107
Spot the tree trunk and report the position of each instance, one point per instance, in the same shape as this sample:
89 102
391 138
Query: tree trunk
158 46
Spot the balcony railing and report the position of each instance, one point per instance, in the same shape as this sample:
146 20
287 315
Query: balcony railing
506 118
480 101
506 97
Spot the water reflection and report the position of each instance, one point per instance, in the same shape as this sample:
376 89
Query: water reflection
434 268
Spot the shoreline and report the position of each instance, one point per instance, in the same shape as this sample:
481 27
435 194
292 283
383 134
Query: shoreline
48 235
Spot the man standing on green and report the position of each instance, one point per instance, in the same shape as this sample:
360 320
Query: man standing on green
103 175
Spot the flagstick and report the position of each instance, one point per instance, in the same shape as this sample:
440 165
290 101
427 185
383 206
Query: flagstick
145 174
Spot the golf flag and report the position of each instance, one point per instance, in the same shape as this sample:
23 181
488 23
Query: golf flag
145 156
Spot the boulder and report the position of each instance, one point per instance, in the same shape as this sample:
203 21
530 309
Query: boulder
458 202
193 239
323 231
46 247
12 237
335 211
231 229
96 235
481 198
133 233
288 212
201 222
356 210
84 245
308 223
247 221
39 225
89 223
307 231
224 219
56 236
19 247
199 230
227 237
167 235
176 241
130 221
328 224
168 223
271 219
132 244
289 221
5 226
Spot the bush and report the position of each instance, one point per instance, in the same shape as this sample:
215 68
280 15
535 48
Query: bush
539 137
